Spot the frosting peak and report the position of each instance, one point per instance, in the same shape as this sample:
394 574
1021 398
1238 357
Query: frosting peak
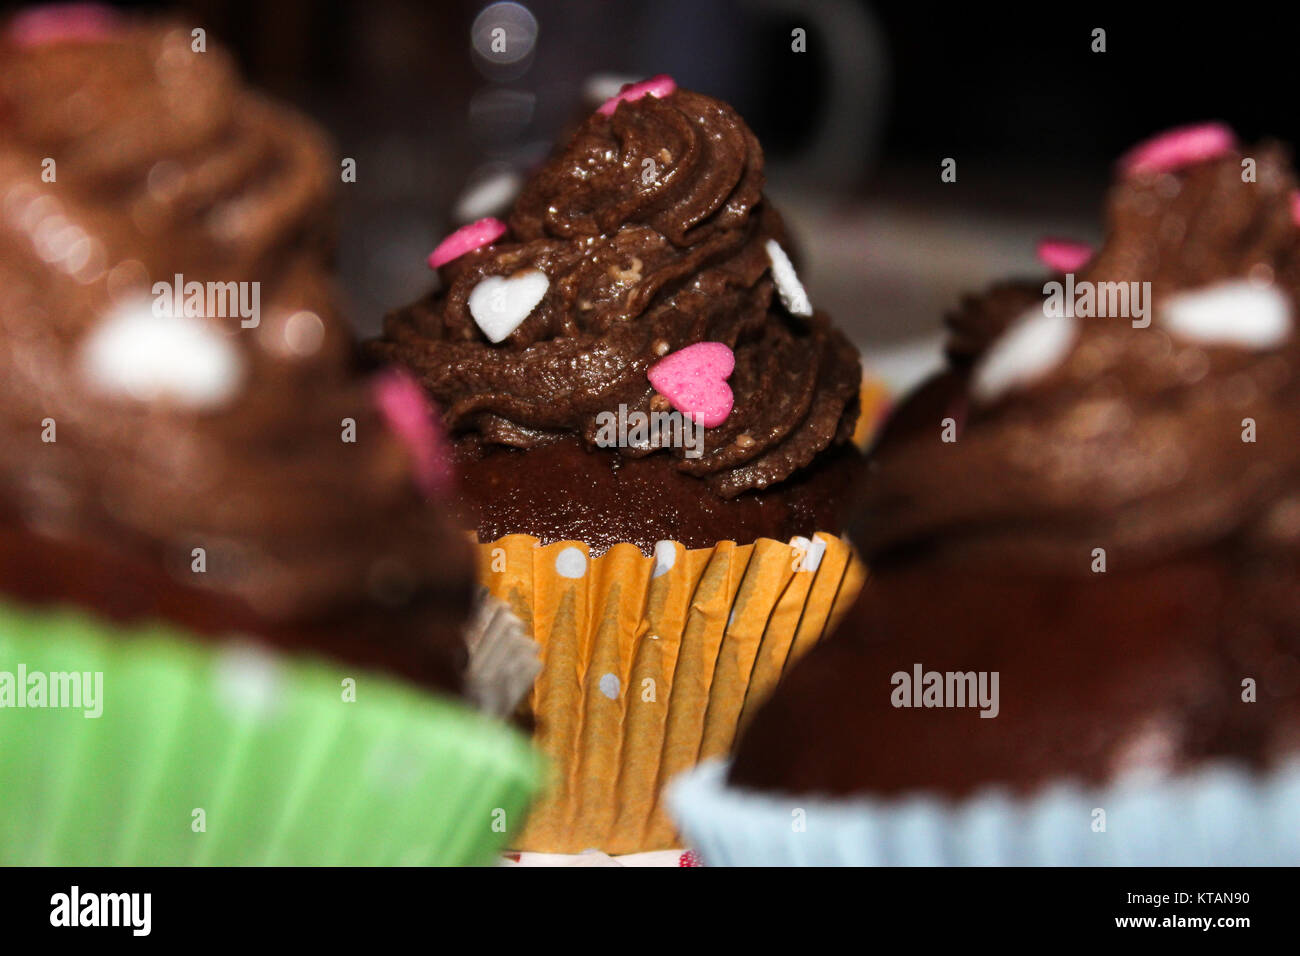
686 166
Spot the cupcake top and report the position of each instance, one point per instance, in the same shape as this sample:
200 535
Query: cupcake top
647 234
175 372
1142 402
1085 564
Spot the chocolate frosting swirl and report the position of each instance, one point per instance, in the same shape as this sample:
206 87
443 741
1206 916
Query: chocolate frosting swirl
1133 441
651 227
166 164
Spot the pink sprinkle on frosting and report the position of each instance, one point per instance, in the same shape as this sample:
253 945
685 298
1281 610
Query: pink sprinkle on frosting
1177 148
1063 255
657 86
414 420
476 235
694 381
62 23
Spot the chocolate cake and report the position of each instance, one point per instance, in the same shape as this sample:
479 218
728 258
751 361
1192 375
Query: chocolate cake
1114 531
226 469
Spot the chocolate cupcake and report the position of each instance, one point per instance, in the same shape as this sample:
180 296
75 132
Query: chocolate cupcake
653 430
1080 640
647 234
202 499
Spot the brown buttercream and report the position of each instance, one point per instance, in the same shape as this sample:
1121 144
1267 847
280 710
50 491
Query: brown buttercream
167 165
639 266
1134 440
1100 536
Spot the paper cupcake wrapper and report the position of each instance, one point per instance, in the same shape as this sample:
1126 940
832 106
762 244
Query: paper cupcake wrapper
229 755
874 406
503 660
1213 816
650 664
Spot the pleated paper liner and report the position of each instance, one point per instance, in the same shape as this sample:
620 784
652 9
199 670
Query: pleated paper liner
224 754
874 406
650 664
1214 815
503 660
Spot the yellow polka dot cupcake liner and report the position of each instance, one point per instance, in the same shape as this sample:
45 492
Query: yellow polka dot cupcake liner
650 664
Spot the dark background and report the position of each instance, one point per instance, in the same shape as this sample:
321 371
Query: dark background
854 128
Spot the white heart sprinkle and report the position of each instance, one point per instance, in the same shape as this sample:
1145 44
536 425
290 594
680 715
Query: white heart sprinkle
793 295
500 303
665 557
571 563
1249 314
1029 348
609 686
133 351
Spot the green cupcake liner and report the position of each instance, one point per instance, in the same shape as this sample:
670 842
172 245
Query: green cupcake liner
284 771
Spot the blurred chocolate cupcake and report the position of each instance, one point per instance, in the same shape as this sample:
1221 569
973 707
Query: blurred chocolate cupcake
202 500
644 407
1080 640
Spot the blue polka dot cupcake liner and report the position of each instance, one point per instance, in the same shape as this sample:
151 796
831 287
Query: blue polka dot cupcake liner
1215 815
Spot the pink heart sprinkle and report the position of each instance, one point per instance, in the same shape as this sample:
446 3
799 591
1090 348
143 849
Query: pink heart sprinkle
657 86
414 419
694 381
1177 148
467 239
1063 255
62 23
1295 207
